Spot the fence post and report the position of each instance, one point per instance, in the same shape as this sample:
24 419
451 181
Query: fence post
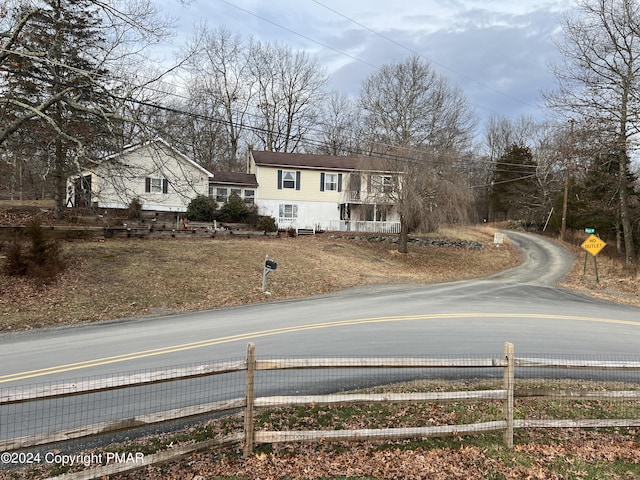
509 385
249 397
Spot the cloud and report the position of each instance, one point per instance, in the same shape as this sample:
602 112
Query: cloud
500 59
497 51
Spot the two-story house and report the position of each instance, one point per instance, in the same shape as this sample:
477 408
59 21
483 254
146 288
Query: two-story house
301 191
324 192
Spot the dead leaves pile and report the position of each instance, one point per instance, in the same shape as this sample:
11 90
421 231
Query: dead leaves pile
312 462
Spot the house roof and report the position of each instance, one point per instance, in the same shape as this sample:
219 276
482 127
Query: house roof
310 161
159 143
234 178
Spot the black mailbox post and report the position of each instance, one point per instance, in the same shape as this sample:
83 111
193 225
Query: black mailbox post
269 266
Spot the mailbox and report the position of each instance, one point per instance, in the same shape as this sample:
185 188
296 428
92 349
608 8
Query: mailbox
270 265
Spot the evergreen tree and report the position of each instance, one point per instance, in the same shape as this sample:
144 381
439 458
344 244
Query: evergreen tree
56 81
234 209
515 192
594 202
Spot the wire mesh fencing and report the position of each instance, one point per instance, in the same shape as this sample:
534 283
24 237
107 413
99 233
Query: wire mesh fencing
291 399
561 391
50 412
341 398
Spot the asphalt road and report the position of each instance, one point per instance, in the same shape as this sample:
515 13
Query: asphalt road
521 305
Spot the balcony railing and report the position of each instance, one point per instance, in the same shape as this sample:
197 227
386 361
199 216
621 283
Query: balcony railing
365 197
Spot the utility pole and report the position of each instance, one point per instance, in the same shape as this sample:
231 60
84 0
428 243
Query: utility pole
565 200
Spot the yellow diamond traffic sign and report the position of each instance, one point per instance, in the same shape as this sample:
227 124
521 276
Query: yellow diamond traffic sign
593 245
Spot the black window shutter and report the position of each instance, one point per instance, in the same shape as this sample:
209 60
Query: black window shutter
279 179
147 184
297 180
165 185
322 182
339 182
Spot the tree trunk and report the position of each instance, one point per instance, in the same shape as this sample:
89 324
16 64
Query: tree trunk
59 180
404 236
629 250
623 162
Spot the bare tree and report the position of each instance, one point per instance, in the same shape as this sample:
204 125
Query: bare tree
425 124
409 104
339 126
547 145
222 88
599 80
288 89
500 133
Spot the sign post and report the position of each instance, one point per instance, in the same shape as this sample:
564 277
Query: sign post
592 245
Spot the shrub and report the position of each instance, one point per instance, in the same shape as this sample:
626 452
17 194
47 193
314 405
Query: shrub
42 260
235 210
201 209
267 224
15 264
134 211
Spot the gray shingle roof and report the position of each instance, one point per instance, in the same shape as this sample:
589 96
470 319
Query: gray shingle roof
306 160
235 178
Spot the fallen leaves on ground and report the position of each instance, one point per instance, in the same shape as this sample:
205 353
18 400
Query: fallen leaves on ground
313 462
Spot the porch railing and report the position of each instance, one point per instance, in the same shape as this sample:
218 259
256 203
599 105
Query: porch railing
365 226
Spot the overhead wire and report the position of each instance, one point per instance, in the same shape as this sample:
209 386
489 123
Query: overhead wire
258 129
376 67
222 121
414 52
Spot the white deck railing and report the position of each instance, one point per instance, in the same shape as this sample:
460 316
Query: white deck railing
365 226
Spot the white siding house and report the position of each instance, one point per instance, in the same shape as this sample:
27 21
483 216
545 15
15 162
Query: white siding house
162 178
324 192
301 191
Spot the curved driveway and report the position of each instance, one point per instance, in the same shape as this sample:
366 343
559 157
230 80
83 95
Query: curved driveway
520 305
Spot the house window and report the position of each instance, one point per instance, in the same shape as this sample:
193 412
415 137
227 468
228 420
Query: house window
156 185
237 191
377 213
288 212
331 182
369 213
381 213
288 179
249 197
221 195
383 183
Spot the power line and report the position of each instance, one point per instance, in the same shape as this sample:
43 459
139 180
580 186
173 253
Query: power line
298 34
222 121
209 118
488 87
322 44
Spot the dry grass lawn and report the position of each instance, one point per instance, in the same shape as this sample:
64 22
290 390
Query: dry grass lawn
131 278
613 282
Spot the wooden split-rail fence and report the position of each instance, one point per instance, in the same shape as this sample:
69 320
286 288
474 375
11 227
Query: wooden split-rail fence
250 402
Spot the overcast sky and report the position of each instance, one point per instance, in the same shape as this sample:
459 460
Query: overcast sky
497 51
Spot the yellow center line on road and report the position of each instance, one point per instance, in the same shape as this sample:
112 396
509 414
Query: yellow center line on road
279 331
